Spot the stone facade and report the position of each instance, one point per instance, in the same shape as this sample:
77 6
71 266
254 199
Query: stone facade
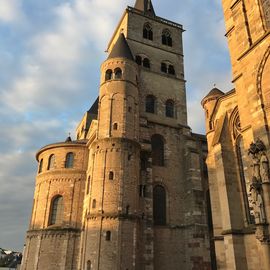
136 194
237 126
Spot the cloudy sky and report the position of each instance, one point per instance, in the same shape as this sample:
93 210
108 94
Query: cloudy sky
50 54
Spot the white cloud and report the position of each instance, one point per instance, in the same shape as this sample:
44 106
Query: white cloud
10 10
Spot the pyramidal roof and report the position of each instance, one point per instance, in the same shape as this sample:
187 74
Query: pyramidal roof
146 6
121 49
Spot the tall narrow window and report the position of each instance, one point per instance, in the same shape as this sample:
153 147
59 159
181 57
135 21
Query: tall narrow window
94 204
69 160
150 104
118 74
108 75
147 32
157 143
167 38
57 209
88 266
51 162
170 108
244 179
108 236
159 205
88 185
40 168
146 63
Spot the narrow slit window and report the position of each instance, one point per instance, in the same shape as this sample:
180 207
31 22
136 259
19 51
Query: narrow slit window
111 175
40 169
108 236
94 204
170 108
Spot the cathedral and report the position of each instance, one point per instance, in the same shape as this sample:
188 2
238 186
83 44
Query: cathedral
136 189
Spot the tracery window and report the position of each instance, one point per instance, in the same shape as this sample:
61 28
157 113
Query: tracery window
51 162
57 209
157 142
69 160
167 38
150 104
170 108
147 32
159 205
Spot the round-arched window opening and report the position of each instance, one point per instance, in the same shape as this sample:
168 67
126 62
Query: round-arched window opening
170 108
146 63
108 75
115 126
118 74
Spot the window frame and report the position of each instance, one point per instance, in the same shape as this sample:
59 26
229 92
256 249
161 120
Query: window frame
56 210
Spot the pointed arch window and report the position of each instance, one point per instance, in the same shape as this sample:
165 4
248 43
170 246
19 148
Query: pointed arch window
108 75
57 209
150 104
157 142
69 160
51 162
118 73
40 168
147 31
167 38
159 205
170 108
88 265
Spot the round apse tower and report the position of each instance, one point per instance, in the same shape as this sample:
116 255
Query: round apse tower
112 226
53 238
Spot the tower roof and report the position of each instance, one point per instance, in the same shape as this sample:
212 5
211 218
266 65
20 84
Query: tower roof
121 49
215 92
146 6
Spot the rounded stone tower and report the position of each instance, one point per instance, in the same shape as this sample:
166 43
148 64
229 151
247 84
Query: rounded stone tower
53 238
110 237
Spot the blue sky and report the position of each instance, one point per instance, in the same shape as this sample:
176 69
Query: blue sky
51 53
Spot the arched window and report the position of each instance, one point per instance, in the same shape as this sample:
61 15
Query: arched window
118 73
171 70
88 265
94 204
40 168
51 162
157 143
57 209
69 160
159 205
115 126
139 60
167 38
146 63
163 67
108 236
170 108
150 103
147 32
108 75
111 175
244 179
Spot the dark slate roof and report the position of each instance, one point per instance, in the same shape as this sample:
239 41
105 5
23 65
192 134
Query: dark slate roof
68 139
214 92
121 49
146 6
94 107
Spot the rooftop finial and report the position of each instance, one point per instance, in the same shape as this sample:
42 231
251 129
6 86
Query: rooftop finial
145 6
